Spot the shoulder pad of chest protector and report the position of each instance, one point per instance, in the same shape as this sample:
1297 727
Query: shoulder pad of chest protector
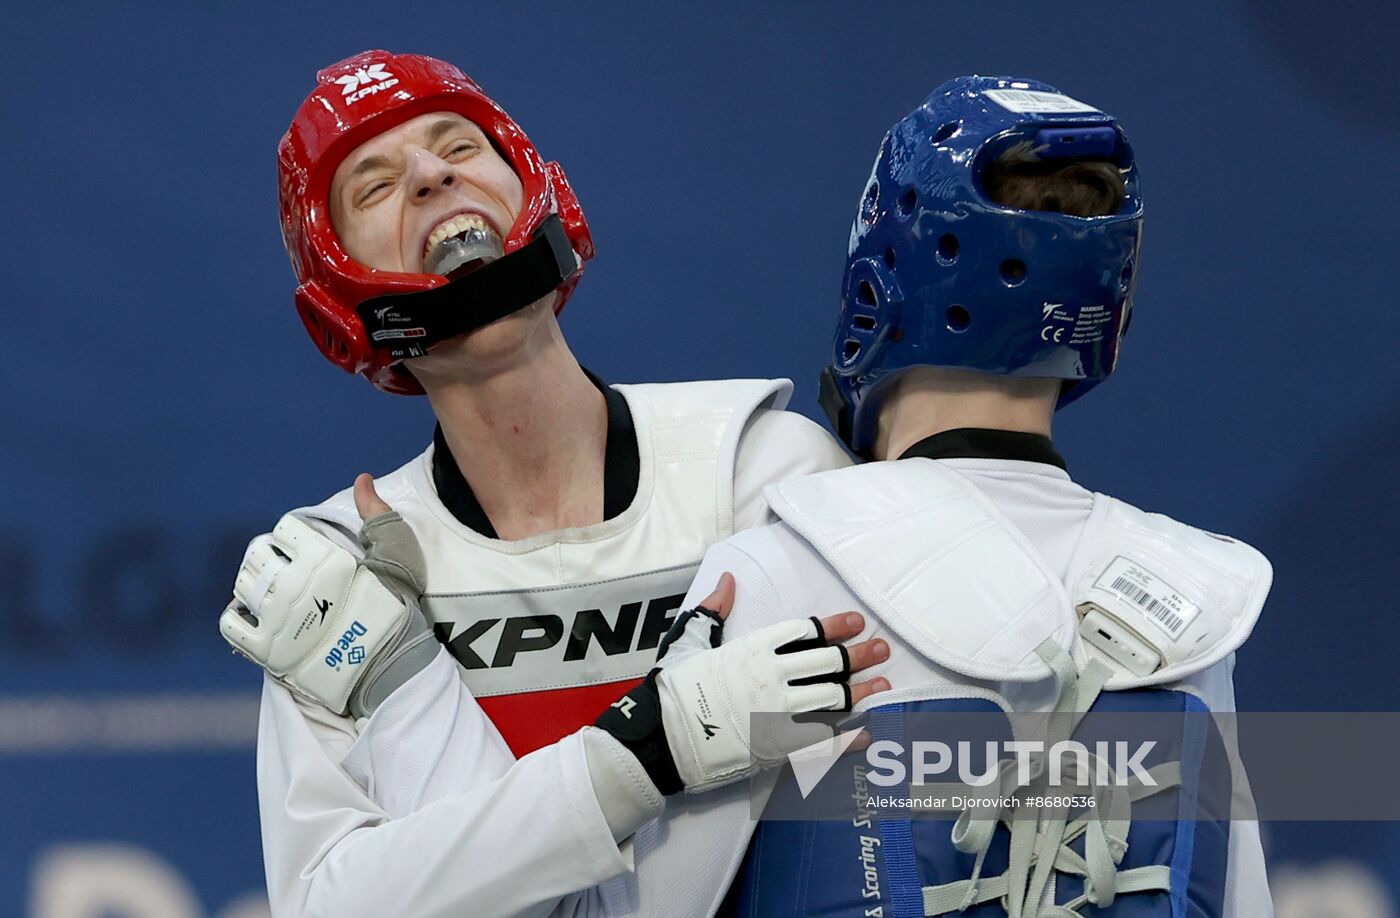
1190 596
940 566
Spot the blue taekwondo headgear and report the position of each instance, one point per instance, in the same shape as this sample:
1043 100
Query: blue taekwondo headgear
939 275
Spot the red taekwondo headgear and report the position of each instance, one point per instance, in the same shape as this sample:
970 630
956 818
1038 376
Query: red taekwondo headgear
366 321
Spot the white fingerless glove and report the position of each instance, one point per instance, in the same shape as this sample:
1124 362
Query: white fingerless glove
690 723
339 630
707 701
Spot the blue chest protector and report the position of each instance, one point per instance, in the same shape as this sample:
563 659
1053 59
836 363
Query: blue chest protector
1172 866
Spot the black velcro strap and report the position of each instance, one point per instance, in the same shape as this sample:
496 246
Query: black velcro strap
634 720
837 408
407 324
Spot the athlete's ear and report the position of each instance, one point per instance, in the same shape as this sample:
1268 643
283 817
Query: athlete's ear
368 501
722 599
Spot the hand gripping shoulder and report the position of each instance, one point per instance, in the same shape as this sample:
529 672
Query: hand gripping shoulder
708 701
315 616
691 723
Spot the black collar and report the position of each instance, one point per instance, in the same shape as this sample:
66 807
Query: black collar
621 468
983 443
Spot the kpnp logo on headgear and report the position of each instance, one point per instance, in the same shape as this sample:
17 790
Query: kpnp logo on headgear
373 78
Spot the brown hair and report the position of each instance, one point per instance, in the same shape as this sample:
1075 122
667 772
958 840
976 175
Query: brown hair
1079 187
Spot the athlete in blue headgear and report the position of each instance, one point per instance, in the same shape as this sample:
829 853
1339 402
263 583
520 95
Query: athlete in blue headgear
989 282
995 239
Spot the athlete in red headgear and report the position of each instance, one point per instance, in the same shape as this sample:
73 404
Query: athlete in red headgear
536 555
355 101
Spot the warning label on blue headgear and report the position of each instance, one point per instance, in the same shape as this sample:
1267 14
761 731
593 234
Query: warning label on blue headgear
1091 325
1066 324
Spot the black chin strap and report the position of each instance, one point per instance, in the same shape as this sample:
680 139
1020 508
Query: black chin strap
407 324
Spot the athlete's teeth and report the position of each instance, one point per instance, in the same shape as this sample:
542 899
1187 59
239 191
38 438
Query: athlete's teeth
463 242
455 226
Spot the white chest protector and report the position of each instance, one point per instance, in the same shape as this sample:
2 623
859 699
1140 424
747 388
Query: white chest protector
551 629
938 563
986 625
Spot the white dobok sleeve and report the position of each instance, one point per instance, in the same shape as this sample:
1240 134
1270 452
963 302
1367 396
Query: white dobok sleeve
686 858
775 446
428 813
465 829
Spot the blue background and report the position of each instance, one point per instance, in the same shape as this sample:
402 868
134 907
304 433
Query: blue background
163 403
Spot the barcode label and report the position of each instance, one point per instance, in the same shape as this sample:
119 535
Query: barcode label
1150 595
1144 599
1033 101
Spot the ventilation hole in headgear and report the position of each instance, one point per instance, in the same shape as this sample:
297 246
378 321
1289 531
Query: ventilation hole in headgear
851 350
865 293
1127 275
908 201
946 131
864 323
958 318
889 258
947 248
1013 271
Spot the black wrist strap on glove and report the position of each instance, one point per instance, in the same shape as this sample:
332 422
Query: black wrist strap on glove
634 720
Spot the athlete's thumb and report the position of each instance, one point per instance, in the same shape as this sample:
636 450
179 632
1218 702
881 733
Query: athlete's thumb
722 599
391 549
367 499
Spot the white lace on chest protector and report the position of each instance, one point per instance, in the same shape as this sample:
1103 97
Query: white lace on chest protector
934 558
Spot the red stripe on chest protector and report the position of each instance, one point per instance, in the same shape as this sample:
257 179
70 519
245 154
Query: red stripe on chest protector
530 720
